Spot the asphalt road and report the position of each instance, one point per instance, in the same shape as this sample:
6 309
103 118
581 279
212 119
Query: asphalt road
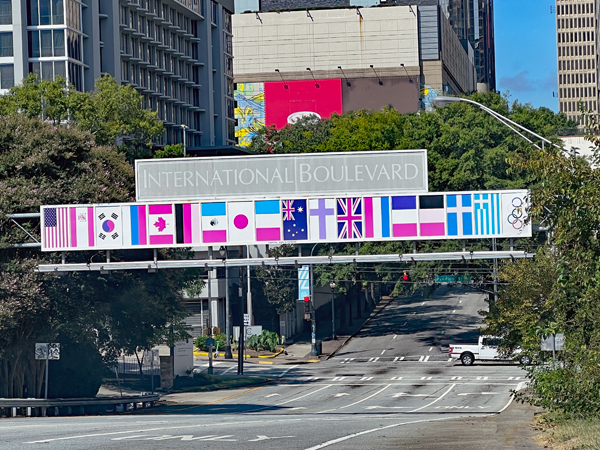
392 386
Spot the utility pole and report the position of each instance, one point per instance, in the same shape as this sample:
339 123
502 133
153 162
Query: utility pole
210 327
249 295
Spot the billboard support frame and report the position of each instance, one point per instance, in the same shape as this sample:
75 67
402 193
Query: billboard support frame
153 266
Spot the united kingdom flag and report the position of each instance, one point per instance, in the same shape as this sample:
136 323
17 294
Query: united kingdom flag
349 218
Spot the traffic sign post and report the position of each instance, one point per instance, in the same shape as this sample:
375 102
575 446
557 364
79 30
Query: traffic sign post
47 352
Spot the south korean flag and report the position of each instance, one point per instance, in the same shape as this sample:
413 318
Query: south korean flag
109 227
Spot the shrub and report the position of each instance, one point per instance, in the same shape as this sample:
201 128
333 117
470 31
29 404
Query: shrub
221 339
268 341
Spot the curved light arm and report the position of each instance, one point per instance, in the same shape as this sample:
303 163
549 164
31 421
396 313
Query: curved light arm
442 101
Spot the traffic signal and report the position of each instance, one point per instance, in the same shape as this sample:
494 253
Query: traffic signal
306 304
405 276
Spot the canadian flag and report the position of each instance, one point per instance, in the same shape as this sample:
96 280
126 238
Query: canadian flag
161 224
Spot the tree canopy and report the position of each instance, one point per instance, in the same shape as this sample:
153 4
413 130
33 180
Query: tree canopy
121 312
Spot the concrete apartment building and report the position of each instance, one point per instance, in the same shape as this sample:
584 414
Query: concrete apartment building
577 49
341 59
176 53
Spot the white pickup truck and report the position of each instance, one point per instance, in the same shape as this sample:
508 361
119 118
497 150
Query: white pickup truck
485 350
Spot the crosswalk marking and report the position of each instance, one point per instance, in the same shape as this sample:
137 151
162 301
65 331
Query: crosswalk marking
366 378
339 378
426 378
374 359
396 378
314 378
421 359
456 378
482 378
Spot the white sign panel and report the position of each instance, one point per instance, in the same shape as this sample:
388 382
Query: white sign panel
47 351
425 216
295 175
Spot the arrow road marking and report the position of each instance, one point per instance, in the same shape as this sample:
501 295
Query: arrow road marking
366 398
266 438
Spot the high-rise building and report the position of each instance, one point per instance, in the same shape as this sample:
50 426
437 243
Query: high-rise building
576 31
176 53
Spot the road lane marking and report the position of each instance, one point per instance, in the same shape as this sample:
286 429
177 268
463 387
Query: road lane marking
305 395
260 437
482 378
231 368
341 394
481 393
366 398
395 336
436 400
387 407
396 378
382 352
374 430
272 395
374 359
450 359
398 358
287 370
366 378
404 394
453 311
296 408
460 301
426 378
338 378
422 303
456 378
427 358
421 359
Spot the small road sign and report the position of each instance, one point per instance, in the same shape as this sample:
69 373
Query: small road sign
47 351
452 278
246 320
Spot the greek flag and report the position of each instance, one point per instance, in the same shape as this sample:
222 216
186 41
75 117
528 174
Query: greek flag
487 214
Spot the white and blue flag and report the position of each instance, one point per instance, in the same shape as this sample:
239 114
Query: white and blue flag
459 209
487 214
303 282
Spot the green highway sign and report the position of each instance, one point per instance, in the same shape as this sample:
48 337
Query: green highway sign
452 278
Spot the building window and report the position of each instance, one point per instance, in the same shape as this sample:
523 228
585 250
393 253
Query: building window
74 14
6 44
76 76
74 45
45 12
7 76
5 12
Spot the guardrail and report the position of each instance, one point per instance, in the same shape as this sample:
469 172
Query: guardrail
33 407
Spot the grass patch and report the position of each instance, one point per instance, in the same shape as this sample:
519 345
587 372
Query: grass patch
201 382
564 433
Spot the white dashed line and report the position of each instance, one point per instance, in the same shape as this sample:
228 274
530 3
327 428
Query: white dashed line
382 352
374 359
430 348
366 378
395 336
396 378
456 378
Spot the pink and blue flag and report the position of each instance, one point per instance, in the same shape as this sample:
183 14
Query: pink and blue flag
349 218
404 216
268 220
214 223
377 217
295 220
432 215
135 225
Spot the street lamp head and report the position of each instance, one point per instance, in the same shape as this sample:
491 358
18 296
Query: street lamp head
332 284
442 100
222 251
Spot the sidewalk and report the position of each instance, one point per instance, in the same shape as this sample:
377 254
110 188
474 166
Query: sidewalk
299 351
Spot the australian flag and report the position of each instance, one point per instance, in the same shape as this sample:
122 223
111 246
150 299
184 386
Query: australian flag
295 220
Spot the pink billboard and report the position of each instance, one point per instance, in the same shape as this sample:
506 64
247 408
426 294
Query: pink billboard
286 102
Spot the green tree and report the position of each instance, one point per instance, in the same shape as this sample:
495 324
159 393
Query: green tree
41 164
114 114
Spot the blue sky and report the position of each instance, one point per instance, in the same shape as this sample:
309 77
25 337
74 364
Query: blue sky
526 51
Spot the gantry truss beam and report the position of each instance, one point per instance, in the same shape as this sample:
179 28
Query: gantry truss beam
155 265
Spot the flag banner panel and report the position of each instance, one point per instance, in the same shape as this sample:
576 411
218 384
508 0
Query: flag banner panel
280 220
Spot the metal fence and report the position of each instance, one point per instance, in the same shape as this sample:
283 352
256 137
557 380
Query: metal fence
128 365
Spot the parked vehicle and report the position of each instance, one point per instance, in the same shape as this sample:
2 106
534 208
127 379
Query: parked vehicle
486 349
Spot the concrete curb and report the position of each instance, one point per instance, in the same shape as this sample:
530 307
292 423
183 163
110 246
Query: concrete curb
380 307
245 356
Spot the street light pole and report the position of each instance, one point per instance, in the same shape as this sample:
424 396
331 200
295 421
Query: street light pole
332 286
313 325
228 355
184 140
442 101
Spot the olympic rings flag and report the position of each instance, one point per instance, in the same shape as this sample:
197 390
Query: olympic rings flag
392 216
514 215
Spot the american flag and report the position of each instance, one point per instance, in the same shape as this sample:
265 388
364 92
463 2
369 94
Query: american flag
349 218
56 227
288 209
